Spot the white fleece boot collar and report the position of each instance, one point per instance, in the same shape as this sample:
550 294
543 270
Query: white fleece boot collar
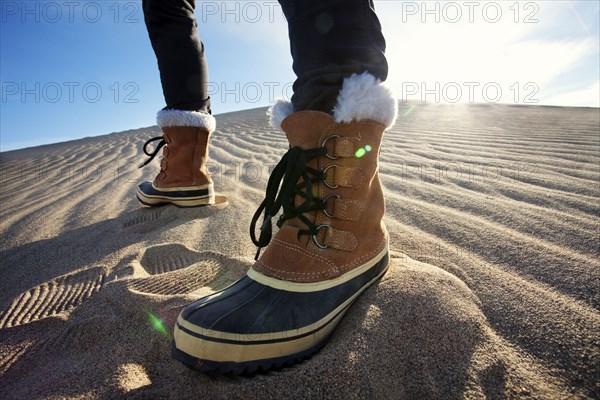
185 118
280 111
365 97
362 97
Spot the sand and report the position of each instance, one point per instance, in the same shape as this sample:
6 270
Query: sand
493 290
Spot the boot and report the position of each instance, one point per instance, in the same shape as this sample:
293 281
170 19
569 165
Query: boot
330 247
183 179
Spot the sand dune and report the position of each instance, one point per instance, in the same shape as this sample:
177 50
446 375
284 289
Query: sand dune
493 290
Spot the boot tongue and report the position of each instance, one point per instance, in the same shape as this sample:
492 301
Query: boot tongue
304 128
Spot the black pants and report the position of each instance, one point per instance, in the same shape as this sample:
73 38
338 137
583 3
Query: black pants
329 40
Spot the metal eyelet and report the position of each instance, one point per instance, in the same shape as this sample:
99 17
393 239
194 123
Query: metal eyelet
337 196
314 237
324 144
325 176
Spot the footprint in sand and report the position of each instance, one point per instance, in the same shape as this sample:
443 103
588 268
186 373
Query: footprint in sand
78 336
54 297
146 219
10 356
172 269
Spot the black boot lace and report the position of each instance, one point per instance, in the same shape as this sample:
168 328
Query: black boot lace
282 188
155 152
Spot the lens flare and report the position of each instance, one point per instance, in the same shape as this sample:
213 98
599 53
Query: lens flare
157 324
362 151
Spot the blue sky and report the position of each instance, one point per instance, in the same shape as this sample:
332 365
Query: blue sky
70 69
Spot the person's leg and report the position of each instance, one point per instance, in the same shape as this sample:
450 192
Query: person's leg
186 121
329 41
173 33
331 244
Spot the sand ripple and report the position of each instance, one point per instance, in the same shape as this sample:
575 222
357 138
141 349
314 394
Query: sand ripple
493 213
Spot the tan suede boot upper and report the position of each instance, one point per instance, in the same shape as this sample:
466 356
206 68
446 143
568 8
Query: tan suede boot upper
351 232
184 158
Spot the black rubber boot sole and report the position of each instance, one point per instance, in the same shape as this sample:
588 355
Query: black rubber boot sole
150 196
248 368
